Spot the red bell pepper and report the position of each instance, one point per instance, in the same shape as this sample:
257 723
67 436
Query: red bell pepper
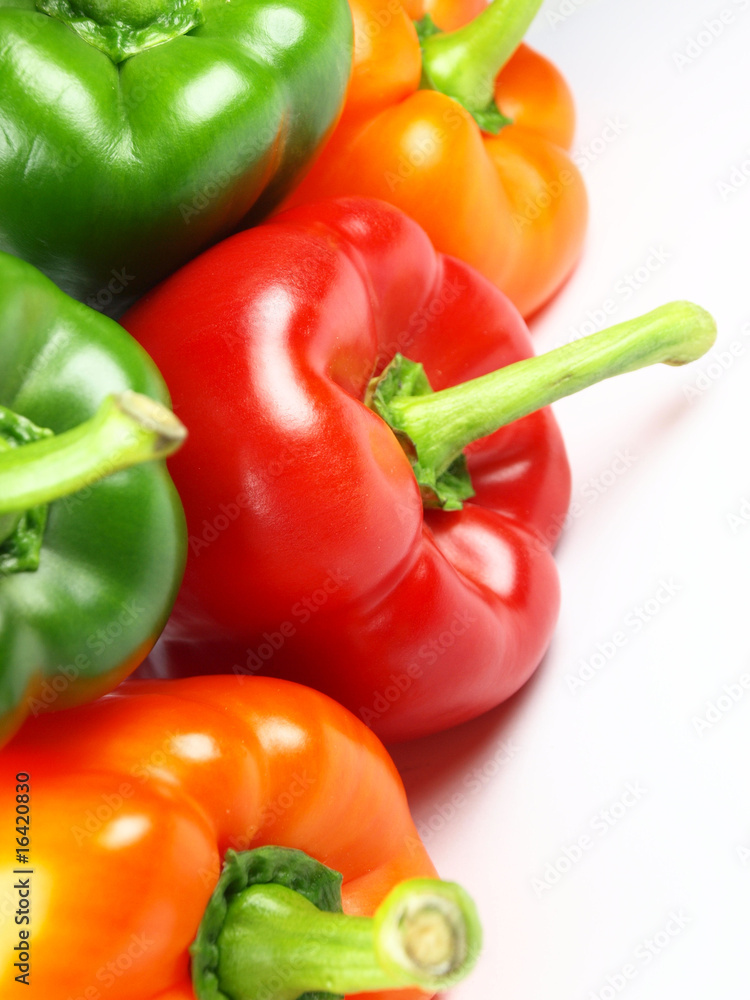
317 547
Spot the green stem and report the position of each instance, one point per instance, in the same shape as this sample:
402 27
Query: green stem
123 28
8 522
272 941
464 64
437 426
127 429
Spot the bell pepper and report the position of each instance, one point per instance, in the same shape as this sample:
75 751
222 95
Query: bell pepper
338 533
134 133
90 561
135 799
469 135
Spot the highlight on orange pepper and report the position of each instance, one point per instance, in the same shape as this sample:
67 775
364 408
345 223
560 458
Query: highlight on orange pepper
468 132
126 806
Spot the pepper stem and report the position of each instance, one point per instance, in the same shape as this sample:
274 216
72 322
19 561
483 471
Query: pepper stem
126 430
8 522
464 64
123 28
436 426
274 940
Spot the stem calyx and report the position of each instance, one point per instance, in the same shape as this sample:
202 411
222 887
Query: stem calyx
464 64
38 467
123 28
274 930
435 427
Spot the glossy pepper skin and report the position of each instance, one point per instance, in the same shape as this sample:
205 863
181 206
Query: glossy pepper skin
513 205
310 554
136 798
112 554
115 168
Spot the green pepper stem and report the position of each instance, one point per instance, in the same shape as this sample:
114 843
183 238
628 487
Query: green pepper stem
464 64
127 429
123 28
277 945
8 522
441 424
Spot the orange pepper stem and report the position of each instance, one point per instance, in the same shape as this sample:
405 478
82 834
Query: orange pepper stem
435 427
465 63
273 930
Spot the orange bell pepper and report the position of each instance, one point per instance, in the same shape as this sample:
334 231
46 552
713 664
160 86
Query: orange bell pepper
417 131
126 806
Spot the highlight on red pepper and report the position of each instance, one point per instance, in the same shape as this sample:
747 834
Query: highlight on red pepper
387 542
137 798
92 540
469 133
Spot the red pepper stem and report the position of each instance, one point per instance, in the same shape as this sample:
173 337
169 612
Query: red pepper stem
465 63
441 424
126 430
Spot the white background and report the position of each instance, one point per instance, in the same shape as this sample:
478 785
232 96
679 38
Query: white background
682 842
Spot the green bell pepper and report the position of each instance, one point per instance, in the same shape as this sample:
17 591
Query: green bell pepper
134 133
92 545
